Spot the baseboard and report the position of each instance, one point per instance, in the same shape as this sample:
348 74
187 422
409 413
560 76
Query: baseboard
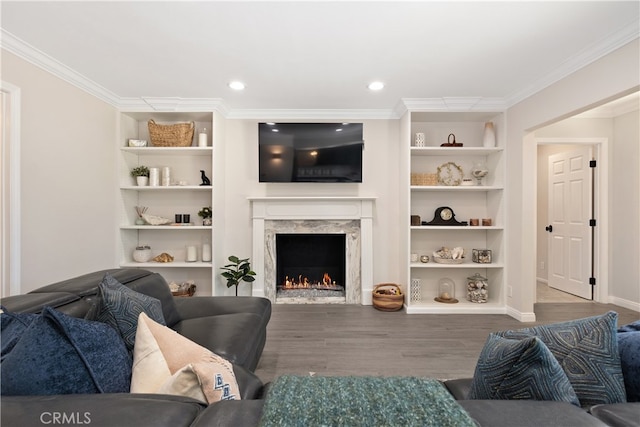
631 305
520 316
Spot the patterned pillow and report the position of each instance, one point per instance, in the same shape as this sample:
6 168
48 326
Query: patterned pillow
61 354
629 347
519 369
587 350
120 307
166 362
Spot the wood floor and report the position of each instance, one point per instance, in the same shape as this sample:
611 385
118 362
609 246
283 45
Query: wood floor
325 339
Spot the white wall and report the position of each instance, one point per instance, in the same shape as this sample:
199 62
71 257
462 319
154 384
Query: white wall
68 158
67 177
624 212
380 179
612 76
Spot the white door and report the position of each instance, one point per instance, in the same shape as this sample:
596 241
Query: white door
569 240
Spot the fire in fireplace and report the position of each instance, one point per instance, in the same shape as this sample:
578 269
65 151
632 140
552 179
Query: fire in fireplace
311 262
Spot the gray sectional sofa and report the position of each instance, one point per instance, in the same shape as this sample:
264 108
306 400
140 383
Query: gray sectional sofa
235 328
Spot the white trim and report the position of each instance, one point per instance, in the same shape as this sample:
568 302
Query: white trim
265 208
631 305
521 316
580 60
601 154
11 190
40 59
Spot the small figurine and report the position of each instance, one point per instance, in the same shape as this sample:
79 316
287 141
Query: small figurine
205 180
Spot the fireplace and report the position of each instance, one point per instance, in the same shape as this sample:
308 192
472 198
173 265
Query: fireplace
310 265
350 217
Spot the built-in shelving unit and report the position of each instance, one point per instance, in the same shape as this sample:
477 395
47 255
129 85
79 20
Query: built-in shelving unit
467 201
184 195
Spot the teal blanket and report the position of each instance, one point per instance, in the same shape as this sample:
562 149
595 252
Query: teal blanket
361 401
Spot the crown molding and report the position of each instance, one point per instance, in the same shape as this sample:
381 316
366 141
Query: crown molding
580 60
40 59
152 104
334 114
451 104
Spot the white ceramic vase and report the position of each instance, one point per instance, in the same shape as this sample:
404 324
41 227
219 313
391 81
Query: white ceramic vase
142 181
489 139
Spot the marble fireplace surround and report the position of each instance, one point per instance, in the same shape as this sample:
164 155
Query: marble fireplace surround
352 216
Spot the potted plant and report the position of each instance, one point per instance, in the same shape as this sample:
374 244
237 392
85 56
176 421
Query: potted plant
141 174
238 271
206 214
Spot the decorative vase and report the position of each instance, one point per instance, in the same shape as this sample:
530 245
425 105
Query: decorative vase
416 290
142 181
207 221
489 139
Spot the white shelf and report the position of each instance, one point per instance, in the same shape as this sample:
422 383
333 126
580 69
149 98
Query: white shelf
453 227
484 201
167 188
466 264
185 164
456 188
454 151
169 151
174 264
461 307
165 227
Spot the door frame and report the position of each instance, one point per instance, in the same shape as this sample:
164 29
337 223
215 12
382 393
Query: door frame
10 190
601 236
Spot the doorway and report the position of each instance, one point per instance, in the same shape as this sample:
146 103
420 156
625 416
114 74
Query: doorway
567 247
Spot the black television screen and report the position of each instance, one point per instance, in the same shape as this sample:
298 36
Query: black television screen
310 152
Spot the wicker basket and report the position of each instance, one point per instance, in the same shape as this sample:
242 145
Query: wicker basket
187 291
424 179
388 297
176 135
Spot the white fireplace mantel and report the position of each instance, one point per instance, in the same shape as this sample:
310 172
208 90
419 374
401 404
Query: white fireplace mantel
314 208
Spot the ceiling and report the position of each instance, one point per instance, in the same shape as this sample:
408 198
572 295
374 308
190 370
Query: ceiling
315 55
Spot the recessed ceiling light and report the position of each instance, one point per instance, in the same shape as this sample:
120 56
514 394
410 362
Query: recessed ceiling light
376 86
236 85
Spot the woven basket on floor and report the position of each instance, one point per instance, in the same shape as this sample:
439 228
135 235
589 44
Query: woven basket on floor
176 135
186 291
388 297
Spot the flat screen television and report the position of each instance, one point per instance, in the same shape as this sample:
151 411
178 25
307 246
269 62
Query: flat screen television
310 152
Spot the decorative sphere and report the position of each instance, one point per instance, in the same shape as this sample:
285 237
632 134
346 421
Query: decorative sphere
445 295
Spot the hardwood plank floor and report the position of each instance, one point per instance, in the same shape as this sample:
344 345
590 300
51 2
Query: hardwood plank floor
360 340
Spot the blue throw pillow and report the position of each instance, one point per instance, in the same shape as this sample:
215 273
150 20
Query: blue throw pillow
60 354
120 307
629 347
587 350
12 326
519 369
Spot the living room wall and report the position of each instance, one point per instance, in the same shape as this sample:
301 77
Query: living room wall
380 179
68 156
67 175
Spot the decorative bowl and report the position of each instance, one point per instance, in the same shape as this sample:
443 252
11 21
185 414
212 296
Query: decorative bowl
155 220
448 260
